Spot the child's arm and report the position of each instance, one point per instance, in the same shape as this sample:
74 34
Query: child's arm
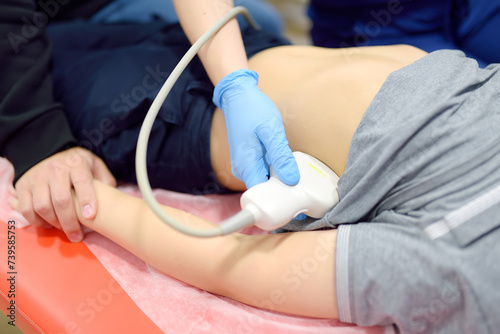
292 273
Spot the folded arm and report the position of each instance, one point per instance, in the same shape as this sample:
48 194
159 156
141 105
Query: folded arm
291 273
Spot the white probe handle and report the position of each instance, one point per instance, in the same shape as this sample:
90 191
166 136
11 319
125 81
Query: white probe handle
274 203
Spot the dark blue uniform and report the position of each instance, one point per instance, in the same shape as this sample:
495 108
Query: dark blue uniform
469 25
107 78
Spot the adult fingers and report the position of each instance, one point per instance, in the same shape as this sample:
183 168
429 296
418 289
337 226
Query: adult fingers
273 138
25 206
257 173
80 179
42 204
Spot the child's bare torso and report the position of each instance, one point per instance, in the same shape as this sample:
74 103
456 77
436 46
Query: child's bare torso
322 95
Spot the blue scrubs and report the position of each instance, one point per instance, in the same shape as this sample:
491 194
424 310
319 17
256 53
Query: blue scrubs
469 25
144 11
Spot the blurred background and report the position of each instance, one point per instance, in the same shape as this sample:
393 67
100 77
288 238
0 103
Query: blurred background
296 21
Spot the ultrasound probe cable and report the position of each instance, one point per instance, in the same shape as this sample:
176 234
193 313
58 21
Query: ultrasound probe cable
268 205
243 218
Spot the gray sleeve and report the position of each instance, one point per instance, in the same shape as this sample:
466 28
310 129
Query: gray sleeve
395 275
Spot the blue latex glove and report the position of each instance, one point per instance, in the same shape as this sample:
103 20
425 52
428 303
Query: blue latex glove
255 131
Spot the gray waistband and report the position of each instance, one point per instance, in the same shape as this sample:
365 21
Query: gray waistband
463 214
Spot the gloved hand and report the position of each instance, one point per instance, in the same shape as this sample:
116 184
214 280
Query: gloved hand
255 131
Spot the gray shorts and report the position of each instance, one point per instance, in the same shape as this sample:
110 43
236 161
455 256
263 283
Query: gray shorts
419 212
390 274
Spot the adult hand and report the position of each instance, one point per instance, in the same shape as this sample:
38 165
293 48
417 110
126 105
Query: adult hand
44 192
255 131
